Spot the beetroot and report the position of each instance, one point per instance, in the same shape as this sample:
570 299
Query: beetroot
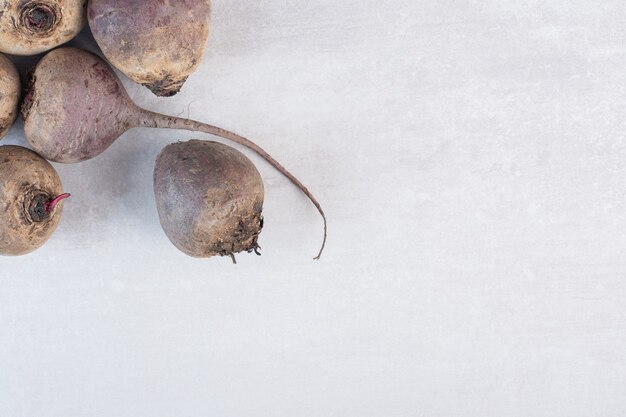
76 107
29 27
209 198
9 95
30 193
154 43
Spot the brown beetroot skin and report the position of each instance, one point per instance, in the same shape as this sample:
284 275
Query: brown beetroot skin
9 95
28 187
155 43
29 27
209 198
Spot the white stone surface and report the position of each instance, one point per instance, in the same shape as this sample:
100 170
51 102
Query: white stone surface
471 157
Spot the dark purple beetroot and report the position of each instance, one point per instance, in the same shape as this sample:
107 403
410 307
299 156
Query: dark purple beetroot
155 43
209 198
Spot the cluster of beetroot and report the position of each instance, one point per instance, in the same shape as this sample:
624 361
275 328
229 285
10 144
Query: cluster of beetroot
209 196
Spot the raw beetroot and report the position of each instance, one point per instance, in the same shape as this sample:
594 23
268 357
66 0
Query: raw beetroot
209 197
30 193
9 95
76 107
155 43
29 27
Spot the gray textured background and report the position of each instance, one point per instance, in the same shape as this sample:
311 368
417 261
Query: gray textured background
472 161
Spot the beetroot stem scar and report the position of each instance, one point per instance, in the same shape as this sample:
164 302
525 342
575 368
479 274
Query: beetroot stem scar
38 18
